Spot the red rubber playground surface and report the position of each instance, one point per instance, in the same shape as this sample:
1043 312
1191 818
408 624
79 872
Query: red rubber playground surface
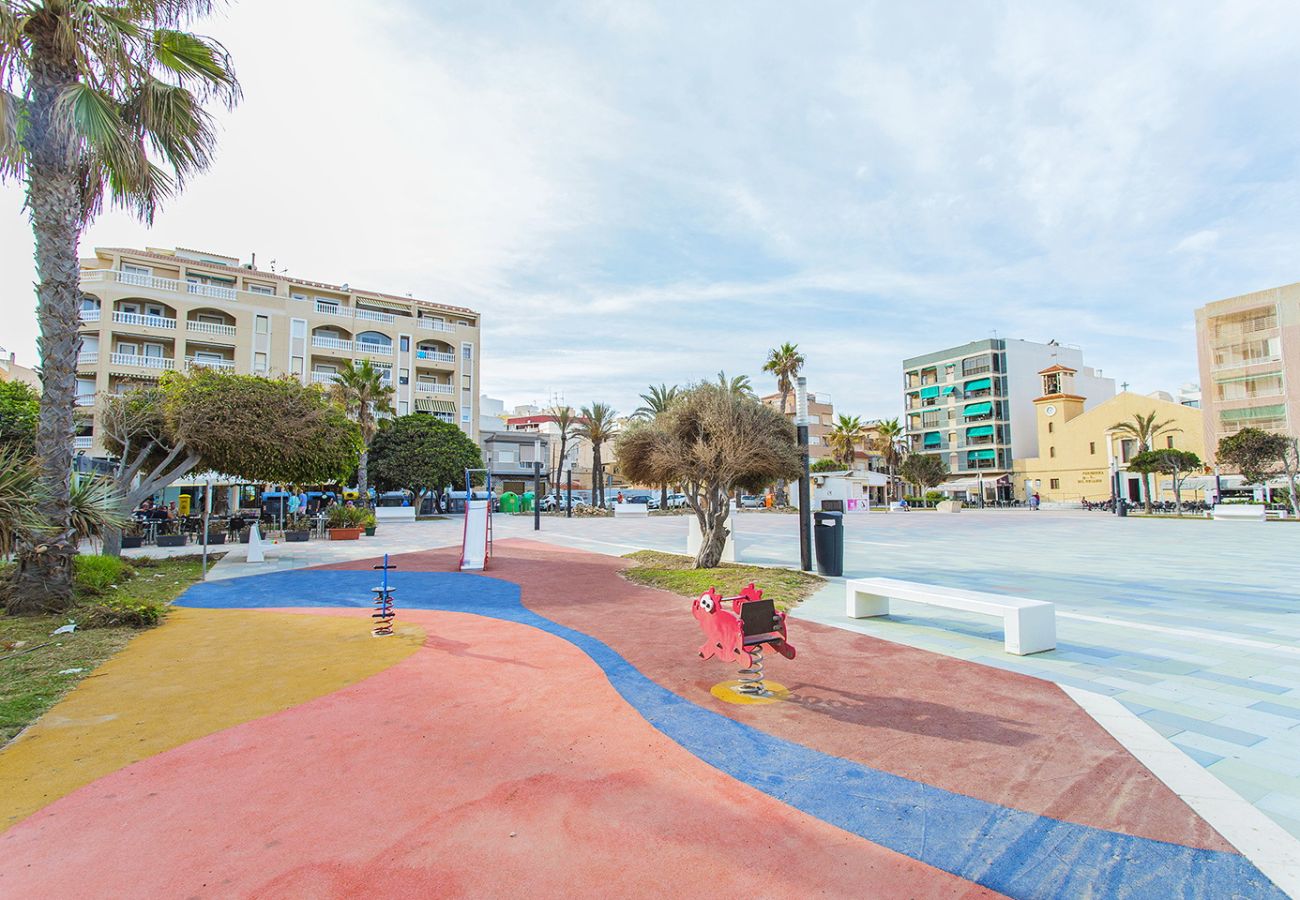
551 732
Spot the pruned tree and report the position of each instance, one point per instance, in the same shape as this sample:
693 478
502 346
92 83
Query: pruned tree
1177 464
1259 455
263 429
422 453
712 441
99 102
925 470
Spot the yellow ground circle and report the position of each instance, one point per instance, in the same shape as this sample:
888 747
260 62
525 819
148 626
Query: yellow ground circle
727 693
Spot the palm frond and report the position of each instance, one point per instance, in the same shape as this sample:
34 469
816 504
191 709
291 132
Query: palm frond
201 65
96 507
178 127
13 157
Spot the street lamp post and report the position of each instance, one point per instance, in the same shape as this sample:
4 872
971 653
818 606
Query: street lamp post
537 485
568 506
805 480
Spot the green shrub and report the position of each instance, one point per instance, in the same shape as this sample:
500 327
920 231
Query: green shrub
347 517
94 575
134 612
935 496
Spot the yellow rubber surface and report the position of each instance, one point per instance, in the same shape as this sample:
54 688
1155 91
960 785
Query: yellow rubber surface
201 671
727 693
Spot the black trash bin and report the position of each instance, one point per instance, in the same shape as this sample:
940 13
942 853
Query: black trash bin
828 538
1123 508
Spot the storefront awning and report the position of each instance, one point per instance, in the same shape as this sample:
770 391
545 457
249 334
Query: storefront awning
932 391
979 431
980 384
977 409
981 454
960 484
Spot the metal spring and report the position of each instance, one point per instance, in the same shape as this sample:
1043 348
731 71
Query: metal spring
751 678
383 613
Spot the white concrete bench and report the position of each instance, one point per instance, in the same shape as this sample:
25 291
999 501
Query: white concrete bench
1029 626
1241 512
631 509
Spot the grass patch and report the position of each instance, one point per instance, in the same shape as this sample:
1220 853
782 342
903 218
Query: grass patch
674 573
109 612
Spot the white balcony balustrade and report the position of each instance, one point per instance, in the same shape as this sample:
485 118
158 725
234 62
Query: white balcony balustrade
87 357
85 400
210 328
329 343
334 309
173 285
200 362
143 362
429 387
435 325
436 356
90 314
83 442
137 319
374 348
371 315
323 377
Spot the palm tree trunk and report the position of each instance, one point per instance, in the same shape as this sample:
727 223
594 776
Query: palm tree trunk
362 479
597 478
663 496
42 580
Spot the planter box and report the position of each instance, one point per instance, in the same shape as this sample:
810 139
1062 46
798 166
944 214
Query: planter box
345 534
216 537
370 532
131 541
297 537
171 540
243 535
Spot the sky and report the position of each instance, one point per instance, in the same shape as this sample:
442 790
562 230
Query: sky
634 193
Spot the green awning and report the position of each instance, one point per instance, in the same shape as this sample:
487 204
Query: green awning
981 454
977 409
980 384
979 431
932 391
948 390
933 439
1257 412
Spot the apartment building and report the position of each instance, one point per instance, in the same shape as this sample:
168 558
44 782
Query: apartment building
11 371
973 405
146 312
821 420
1249 353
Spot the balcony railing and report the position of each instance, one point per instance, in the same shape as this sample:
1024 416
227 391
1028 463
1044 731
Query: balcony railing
371 315
373 348
434 325
136 279
323 377
83 442
85 400
210 328
436 356
211 290
90 315
198 362
333 309
329 343
130 318
428 387
87 357
144 362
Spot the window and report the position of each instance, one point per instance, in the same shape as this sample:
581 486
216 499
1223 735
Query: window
154 309
297 296
465 413
295 366
261 289
1169 442
128 349
402 407
1092 448
1051 426
406 344
298 328
154 351
465 382
262 325
259 362
1051 451
403 376
133 308
1054 484
467 352
506 456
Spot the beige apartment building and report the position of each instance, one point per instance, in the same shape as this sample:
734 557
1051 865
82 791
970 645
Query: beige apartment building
146 312
1249 352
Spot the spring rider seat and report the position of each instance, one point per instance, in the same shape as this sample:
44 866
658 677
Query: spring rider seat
740 634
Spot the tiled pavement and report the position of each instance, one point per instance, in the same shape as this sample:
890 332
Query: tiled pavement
1192 625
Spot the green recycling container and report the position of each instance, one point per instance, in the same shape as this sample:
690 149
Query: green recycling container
509 502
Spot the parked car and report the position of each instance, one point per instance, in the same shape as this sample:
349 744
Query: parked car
751 501
677 501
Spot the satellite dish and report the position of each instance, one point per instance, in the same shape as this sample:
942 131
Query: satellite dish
346 286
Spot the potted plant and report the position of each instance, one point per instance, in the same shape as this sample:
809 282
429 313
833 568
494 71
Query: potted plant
171 540
369 523
345 523
297 530
132 536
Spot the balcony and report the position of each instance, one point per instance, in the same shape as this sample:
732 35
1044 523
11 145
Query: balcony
199 362
323 377
429 387
329 343
85 400
333 309
88 357
83 442
172 285
371 315
129 318
90 315
432 325
210 328
436 356
143 362
373 348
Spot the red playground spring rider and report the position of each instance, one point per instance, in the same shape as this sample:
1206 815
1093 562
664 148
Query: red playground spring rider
741 633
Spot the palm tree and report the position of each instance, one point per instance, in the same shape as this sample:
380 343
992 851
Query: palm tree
740 385
597 426
785 362
566 421
108 105
657 401
1145 430
844 438
363 393
891 444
